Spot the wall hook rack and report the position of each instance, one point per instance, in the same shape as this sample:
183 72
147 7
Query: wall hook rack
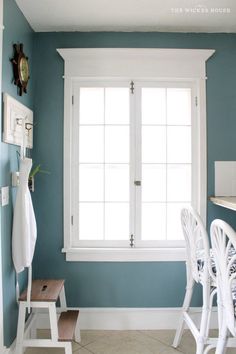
15 113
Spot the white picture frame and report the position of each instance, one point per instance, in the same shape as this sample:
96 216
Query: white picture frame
18 120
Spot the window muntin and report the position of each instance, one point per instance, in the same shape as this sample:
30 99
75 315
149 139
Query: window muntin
162 122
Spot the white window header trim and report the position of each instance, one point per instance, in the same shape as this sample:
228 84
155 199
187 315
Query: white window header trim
119 62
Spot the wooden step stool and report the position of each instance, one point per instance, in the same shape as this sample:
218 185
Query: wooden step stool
44 294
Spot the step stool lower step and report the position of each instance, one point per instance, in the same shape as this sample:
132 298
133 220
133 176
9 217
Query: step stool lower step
66 325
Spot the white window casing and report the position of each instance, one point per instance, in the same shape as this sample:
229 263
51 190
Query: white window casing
2 348
138 65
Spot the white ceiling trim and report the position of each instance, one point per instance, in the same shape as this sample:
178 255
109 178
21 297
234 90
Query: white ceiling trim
130 15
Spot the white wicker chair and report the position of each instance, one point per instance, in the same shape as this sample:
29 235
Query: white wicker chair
198 259
223 239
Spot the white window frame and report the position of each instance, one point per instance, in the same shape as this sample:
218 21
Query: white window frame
142 65
74 173
2 347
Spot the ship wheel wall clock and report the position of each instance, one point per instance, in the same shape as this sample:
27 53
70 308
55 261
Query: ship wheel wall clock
20 68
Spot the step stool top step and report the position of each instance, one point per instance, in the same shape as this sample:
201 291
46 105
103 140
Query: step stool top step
66 325
44 290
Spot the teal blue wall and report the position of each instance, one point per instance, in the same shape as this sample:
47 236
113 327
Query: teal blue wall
16 30
101 284
120 284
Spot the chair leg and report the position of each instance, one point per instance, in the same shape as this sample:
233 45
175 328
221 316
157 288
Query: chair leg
213 293
185 308
206 312
222 340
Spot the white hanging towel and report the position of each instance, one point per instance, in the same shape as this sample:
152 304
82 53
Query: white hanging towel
24 232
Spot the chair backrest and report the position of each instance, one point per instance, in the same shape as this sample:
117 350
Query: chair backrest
223 240
197 244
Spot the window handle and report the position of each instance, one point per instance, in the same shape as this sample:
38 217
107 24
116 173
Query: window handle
137 183
132 240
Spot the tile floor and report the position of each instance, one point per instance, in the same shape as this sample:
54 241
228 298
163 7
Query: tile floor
126 342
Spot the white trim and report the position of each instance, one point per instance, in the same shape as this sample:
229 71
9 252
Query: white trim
130 318
202 129
159 64
67 158
119 62
2 348
125 254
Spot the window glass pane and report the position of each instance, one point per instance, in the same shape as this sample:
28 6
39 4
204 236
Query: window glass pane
117 183
116 105
153 183
179 106
153 221
91 105
153 144
174 229
91 216
179 183
91 144
91 182
116 144
179 144
153 106
116 221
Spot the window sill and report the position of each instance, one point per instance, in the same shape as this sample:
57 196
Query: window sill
125 254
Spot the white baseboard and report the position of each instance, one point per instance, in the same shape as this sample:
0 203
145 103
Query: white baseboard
129 318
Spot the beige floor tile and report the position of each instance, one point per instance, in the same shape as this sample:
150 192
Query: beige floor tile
78 350
187 344
88 337
121 348
126 342
35 351
164 336
43 333
45 351
75 346
82 351
228 351
171 351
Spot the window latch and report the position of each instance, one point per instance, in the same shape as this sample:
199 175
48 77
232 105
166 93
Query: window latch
137 183
132 87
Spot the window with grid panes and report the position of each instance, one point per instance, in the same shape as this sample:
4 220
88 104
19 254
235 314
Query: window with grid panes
133 162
